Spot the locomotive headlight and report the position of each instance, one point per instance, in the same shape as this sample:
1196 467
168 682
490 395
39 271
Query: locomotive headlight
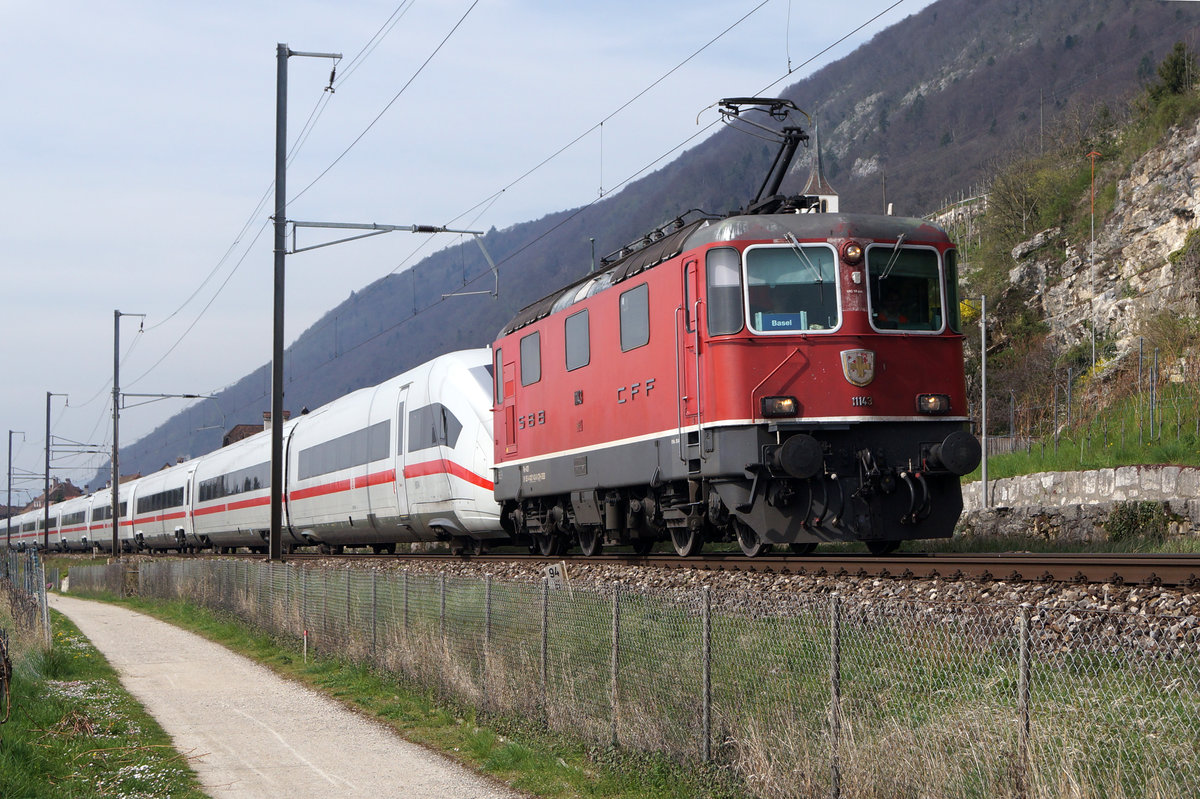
852 253
933 403
774 407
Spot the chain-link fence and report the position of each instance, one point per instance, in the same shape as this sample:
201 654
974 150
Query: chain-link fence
23 590
814 695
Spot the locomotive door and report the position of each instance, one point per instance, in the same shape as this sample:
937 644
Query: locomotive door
687 360
508 402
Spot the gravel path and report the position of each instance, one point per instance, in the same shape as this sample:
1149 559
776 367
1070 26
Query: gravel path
250 733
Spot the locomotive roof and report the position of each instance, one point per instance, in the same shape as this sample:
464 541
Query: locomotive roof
750 227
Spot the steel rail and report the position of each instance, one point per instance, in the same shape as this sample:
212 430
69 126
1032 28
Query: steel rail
1175 570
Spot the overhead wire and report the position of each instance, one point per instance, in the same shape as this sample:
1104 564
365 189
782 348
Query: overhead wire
309 125
389 104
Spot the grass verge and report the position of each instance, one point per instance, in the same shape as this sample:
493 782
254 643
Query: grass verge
73 731
533 760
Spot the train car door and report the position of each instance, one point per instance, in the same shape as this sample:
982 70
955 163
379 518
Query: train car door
399 484
687 359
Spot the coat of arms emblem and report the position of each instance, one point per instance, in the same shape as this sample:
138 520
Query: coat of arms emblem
858 366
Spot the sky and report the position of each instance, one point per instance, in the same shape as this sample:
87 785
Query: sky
137 146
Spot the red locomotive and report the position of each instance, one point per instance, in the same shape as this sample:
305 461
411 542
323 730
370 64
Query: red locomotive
778 376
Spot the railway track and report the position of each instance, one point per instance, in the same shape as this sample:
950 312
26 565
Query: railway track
1176 570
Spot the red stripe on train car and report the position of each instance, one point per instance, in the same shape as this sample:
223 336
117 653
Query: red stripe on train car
319 491
444 466
379 478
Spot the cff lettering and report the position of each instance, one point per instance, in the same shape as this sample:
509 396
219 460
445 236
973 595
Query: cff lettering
634 390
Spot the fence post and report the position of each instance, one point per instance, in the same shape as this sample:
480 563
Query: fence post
304 602
374 611
545 664
325 606
406 606
835 698
442 614
487 636
706 725
616 654
1023 704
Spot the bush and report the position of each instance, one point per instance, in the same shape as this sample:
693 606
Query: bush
1130 521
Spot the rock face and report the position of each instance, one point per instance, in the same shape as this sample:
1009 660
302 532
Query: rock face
1132 274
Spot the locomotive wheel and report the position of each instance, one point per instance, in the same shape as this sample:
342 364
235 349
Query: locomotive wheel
687 542
590 541
549 545
752 546
803 549
882 547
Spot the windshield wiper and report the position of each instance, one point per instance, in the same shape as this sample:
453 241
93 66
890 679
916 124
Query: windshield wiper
803 256
887 270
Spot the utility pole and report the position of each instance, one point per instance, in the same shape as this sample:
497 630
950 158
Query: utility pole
983 395
282 53
116 442
46 495
8 501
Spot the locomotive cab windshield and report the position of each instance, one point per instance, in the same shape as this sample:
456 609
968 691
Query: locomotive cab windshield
792 288
906 289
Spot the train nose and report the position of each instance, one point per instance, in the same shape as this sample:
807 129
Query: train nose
959 453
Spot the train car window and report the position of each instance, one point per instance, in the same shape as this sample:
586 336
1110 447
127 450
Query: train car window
792 288
432 426
373 443
498 373
952 316
579 348
74 518
531 359
724 287
635 318
689 302
484 376
905 288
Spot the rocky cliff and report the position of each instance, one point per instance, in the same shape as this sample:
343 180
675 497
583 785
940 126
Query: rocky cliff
1144 260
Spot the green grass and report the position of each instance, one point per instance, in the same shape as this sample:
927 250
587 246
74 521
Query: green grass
74 732
525 756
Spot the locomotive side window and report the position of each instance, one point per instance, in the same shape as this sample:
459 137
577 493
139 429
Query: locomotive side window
724 268
792 288
579 349
905 288
635 318
498 372
952 317
431 426
531 359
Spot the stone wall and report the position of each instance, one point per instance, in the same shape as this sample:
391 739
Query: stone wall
1073 506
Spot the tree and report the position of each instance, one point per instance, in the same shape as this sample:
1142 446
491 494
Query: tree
1176 73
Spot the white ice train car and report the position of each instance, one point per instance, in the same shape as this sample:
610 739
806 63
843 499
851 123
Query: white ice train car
407 460
72 524
161 505
99 532
231 494
24 530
